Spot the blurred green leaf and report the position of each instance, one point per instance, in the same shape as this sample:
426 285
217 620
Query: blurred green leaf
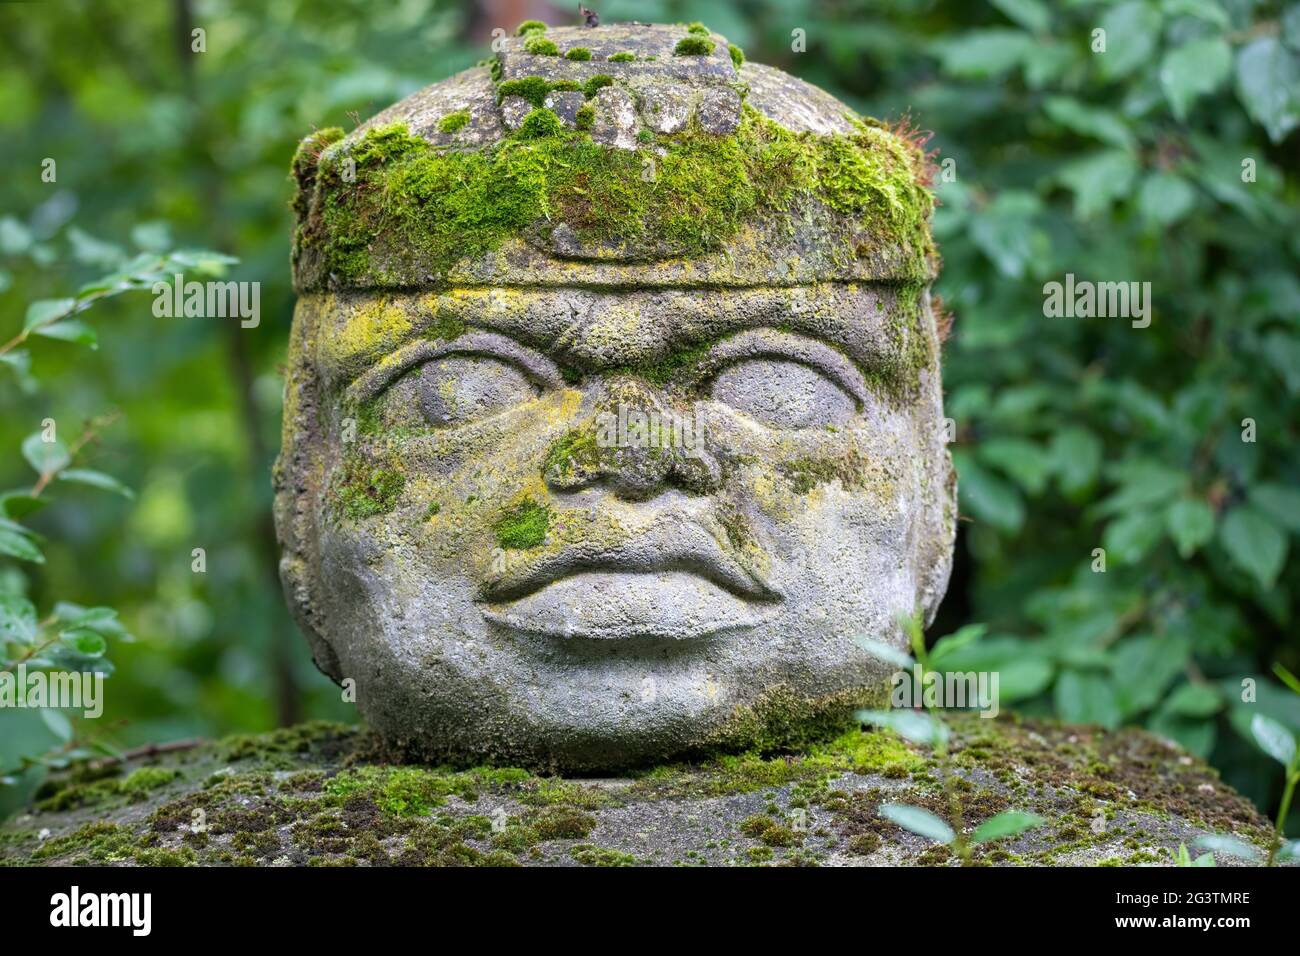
15 237
1006 824
17 619
86 642
46 311
1030 14
1274 739
1028 464
1194 700
1254 543
1099 180
47 457
96 479
1191 524
1193 70
1267 79
982 53
1132 30
20 546
70 330
1087 697
1166 198
1130 538
59 725
921 822
987 496
914 725
886 652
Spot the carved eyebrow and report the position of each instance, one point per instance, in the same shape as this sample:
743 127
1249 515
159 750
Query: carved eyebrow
772 343
473 342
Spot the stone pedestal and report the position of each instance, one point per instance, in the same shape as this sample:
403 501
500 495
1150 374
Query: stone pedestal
321 794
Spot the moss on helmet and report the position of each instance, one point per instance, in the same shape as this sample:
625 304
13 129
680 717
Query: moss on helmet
412 210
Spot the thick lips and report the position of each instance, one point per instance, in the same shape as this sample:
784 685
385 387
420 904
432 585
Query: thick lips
645 589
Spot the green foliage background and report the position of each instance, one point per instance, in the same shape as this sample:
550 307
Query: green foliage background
1073 434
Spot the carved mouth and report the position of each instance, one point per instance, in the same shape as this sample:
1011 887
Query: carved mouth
639 591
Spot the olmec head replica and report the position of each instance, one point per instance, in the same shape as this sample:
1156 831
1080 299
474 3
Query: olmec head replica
614 412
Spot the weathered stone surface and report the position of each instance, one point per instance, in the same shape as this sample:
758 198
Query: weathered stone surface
565 104
513 111
719 111
316 795
650 44
616 121
665 107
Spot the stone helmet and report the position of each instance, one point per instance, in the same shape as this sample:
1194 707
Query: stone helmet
613 421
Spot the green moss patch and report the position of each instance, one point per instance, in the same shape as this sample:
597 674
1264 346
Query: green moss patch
694 46
579 53
453 121
523 526
540 124
589 855
596 84
540 46
362 489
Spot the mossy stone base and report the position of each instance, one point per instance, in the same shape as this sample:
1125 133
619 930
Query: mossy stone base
321 794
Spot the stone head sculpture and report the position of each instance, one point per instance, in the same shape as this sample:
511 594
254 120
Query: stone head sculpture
613 417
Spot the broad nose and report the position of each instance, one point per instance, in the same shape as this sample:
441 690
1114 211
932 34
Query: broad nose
635 444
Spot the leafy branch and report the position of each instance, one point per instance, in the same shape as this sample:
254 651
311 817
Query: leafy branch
928 728
71 637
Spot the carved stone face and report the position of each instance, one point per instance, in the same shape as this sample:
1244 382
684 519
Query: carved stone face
584 505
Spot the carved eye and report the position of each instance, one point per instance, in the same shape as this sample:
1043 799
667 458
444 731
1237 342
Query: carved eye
783 394
456 389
